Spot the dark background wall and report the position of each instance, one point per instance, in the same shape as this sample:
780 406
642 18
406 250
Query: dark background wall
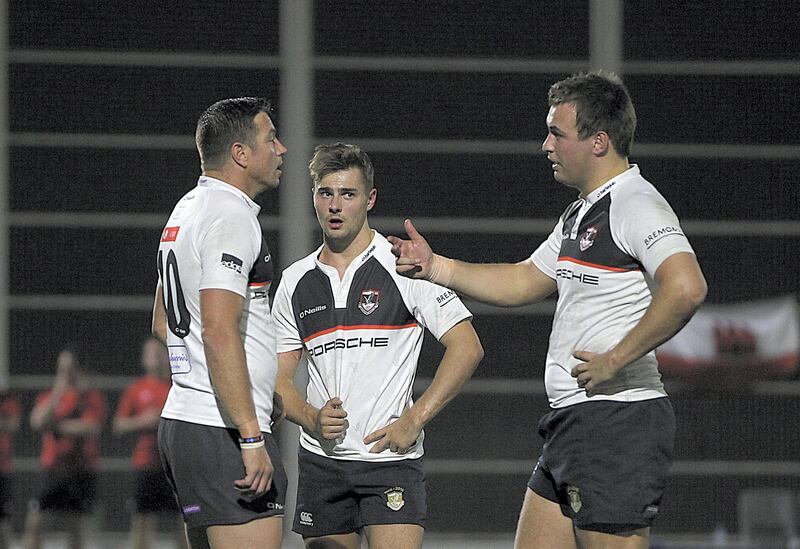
715 86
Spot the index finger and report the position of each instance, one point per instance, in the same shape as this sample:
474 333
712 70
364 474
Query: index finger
375 435
411 231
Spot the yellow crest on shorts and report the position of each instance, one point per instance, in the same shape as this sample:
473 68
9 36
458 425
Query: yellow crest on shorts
574 496
394 498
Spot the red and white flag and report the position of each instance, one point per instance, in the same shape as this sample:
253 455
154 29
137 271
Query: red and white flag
758 339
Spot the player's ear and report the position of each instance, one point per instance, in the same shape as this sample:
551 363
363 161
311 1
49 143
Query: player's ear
373 196
601 143
239 154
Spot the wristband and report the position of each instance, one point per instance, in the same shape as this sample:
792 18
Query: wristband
251 445
249 440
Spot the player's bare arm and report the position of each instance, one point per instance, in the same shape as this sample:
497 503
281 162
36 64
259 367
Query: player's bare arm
328 422
463 353
43 412
146 421
681 288
501 284
227 366
158 325
79 427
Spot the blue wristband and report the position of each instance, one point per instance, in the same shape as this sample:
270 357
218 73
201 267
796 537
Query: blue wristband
251 440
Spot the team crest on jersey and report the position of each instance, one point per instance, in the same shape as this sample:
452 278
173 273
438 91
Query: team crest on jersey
574 496
394 498
369 301
587 239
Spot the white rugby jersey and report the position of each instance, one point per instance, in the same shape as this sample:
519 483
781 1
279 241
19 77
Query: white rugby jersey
362 336
603 253
213 241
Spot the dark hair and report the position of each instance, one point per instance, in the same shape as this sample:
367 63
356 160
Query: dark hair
337 157
224 123
602 103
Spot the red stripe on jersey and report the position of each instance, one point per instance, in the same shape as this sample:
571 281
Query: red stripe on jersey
360 327
595 265
170 234
258 284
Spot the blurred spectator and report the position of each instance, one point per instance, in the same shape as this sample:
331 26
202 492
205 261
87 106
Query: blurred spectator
139 412
9 424
70 417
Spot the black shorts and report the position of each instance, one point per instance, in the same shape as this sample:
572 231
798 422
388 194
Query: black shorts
153 494
70 491
201 464
606 462
6 493
336 496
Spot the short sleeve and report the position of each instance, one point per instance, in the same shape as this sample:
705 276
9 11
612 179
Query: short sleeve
435 307
648 229
229 246
287 335
546 255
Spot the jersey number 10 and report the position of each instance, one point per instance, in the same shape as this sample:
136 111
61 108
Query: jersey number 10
178 318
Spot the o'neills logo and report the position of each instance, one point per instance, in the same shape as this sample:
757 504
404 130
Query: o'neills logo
312 310
369 301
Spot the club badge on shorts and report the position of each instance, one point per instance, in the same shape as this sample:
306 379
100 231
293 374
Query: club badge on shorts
394 498
574 496
369 301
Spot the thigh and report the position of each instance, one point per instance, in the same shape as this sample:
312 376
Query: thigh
264 533
326 504
393 492
542 525
633 539
394 536
335 541
203 477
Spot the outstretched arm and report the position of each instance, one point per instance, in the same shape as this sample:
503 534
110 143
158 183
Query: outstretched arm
681 290
501 284
462 355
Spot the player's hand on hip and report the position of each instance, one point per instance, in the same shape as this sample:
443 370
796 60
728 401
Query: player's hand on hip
332 420
398 437
278 412
258 474
594 369
414 256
